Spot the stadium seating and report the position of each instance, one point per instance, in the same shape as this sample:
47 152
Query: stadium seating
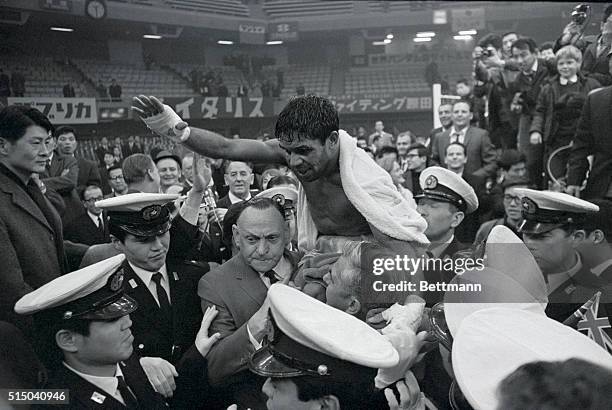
134 79
384 79
226 7
298 8
315 79
232 77
43 76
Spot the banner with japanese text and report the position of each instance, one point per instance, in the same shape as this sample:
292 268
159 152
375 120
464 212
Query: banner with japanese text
377 103
222 107
62 110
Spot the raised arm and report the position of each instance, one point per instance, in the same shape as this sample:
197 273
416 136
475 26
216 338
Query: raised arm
162 120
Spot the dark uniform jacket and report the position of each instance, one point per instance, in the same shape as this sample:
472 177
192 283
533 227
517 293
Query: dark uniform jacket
593 137
84 395
153 335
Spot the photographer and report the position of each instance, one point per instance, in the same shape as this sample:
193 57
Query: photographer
525 90
493 75
595 51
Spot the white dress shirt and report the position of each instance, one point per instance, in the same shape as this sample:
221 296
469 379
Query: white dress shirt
461 136
571 80
147 276
282 269
95 219
233 198
108 383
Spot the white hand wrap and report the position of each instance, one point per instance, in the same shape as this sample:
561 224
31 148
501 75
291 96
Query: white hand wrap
164 124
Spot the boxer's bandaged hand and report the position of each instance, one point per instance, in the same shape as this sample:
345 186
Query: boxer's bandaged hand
165 125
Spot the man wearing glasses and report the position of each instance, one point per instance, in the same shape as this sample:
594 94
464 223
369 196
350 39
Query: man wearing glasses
91 226
512 208
116 181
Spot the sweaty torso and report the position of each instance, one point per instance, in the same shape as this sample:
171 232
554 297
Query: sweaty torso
331 210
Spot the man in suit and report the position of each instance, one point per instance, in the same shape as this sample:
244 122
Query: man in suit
525 89
109 162
380 138
103 148
417 157
238 289
131 147
91 226
83 326
30 229
481 155
66 145
239 177
61 175
116 182
455 161
592 138
445 113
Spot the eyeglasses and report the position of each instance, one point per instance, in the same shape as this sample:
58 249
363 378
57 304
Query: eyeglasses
116 178
512 198
98 198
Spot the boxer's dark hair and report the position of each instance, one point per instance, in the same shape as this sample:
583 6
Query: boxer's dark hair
307 117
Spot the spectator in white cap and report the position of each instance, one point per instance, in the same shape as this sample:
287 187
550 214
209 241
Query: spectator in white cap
552 230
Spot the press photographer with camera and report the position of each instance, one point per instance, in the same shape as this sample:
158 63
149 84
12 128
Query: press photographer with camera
596 51
493 73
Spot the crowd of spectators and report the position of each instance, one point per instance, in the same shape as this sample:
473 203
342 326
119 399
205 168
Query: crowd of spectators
504 168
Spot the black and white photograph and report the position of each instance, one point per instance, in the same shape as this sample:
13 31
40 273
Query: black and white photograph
305 205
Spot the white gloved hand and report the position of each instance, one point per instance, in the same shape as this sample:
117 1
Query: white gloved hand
168 124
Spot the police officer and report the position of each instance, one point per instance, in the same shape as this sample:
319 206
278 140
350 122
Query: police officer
552 229
83 327
330 361
444 202
166 290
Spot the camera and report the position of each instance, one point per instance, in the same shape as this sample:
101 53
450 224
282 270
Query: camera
486 53
580 13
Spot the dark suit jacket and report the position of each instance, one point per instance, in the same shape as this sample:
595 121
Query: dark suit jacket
152 335
238 292
65 185
434 275
83 230
82 392
224 202
126 150
88 173
593 137
481 155
28 253
466 231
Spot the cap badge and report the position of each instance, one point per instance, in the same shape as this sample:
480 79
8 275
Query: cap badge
431 182
529 206
279 199
322 370
117 281
67 314
151 212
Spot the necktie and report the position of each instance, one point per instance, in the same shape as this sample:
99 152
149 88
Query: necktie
162 296
100 225
131 402
456 136
272 276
